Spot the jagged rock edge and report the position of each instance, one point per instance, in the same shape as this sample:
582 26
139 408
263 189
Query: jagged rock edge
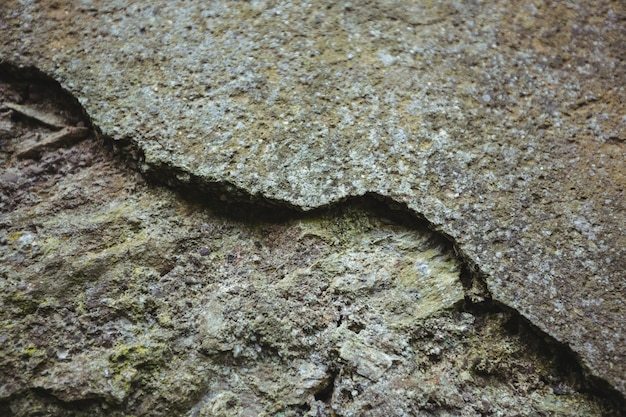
228 197
21 72
222 194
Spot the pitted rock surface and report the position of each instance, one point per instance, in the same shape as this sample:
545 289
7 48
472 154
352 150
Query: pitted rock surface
123 298
502 123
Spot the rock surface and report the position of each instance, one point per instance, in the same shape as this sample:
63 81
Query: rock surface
503 124
118 298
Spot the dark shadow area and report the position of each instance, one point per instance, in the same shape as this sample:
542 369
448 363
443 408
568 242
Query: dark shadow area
39 402
326 393
560 355
32 85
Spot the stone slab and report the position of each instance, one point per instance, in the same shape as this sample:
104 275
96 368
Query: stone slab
501 123
119 297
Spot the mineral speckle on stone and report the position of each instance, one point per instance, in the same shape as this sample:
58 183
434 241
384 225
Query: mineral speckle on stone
501 123
119 298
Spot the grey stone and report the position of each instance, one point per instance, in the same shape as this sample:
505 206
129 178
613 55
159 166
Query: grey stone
502 124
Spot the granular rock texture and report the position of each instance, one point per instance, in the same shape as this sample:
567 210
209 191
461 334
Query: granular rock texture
502 123
119 298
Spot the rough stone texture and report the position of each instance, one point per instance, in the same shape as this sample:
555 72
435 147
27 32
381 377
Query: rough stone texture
502 123
122 299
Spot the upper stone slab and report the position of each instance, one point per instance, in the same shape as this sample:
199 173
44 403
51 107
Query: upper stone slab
503 123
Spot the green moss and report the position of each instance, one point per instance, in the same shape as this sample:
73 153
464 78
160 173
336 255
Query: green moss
52 245
125 360
128 353
128 357
6 325
14 236
31 351
25 304
165 319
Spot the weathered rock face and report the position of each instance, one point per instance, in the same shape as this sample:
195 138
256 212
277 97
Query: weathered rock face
502 124
119 299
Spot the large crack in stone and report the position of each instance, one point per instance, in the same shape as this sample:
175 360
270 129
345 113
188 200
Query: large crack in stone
501 122
120 297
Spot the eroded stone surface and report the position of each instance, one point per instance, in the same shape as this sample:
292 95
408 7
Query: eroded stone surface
502 123
118 298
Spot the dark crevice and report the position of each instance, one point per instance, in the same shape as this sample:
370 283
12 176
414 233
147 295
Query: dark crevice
325 394
236 203
301 410
31 81
566 361
41 402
